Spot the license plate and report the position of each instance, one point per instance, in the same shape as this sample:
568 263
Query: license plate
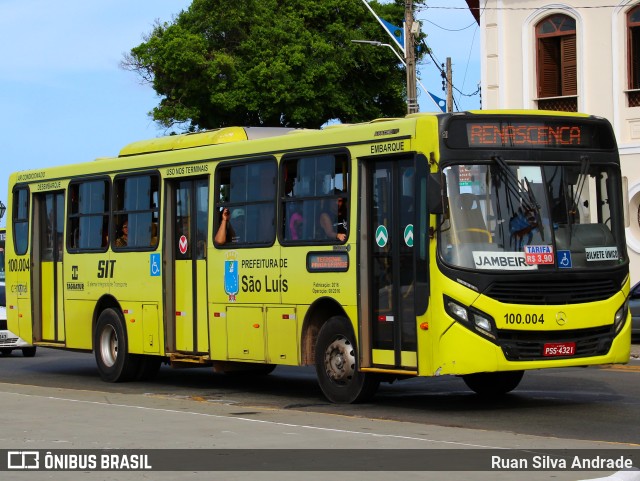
559 349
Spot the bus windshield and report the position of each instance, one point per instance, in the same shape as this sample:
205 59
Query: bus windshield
510 216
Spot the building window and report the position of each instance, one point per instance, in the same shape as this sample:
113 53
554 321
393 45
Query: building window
557 63
633 29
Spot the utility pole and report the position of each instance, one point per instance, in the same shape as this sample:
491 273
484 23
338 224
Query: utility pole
449 86
410 58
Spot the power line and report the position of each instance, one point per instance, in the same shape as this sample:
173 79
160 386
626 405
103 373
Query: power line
558 7
437 64
451 29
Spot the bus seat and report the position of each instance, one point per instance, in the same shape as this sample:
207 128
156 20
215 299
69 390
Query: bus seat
472 229
154 234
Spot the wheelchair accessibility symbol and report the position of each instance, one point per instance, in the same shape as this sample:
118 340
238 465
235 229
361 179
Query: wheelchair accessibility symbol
154 265
564 259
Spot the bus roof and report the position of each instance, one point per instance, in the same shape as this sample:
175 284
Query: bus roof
198 139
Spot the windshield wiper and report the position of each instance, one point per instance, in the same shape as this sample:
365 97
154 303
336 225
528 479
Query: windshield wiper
582 180
523 190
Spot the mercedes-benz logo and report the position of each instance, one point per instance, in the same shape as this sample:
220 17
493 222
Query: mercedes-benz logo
561 318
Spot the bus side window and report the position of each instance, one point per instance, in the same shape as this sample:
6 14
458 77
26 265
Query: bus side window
314 199
136 207
88 215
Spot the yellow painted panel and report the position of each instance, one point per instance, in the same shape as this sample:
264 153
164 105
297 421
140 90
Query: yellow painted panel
60 304
78 322
383 357
203 321
245 328
282 336
184 306
218 332
47 302
387 358
150 328
409 359
22 314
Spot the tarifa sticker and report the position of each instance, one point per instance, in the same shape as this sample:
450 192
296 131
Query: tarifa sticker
514 261
539 254
601 253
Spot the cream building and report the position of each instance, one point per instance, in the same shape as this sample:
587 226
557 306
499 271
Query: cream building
577 56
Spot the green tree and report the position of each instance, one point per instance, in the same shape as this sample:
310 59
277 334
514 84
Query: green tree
271 63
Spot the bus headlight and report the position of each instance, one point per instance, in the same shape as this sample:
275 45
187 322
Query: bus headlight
455 310
473 319
484 325
621 316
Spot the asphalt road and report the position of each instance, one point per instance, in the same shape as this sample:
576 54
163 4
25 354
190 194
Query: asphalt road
594 404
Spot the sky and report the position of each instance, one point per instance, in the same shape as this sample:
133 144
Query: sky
64 98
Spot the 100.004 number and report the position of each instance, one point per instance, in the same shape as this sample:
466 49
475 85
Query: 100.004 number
524 319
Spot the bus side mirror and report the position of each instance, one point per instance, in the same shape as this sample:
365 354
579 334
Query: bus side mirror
435 194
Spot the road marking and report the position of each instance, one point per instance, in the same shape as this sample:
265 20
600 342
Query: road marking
626 367
272 423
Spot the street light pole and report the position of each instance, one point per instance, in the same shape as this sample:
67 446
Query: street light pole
410 58
380 44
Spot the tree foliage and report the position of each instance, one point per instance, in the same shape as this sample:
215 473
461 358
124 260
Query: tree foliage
272 63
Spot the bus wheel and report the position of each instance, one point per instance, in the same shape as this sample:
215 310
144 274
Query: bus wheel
6 352
115 364
336 364
493 383
29 351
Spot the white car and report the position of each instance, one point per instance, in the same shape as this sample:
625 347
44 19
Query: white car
8 340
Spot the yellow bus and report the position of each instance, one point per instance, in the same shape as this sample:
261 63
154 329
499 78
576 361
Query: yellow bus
478 244
3 235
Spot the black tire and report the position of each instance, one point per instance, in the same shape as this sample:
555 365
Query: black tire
493 383
111 349
29 351
337 364
149 367
6 352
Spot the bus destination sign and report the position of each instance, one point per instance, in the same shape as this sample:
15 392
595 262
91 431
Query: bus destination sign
494 134
533 133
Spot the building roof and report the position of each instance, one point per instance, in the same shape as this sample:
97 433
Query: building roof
474 6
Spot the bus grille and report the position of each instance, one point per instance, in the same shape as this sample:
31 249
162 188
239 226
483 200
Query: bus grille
552 292
528 346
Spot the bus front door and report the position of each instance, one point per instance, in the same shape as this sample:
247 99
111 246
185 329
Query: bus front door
187 227
47 272
388 314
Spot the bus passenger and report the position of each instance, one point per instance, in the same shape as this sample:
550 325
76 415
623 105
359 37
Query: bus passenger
334 221
122 240
225 230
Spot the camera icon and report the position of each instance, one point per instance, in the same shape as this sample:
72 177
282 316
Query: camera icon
23 460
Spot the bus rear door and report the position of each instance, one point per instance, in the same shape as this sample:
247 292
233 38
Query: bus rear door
186 234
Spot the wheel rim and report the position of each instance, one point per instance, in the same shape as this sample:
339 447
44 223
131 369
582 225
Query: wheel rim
340 361
109 346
